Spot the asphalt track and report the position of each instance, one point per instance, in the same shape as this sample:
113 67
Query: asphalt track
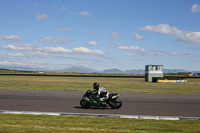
187 105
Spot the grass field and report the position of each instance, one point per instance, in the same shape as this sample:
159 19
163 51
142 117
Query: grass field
40 123
85 83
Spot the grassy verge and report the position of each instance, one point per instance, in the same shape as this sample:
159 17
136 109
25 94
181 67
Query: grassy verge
41 123
84 83
33 123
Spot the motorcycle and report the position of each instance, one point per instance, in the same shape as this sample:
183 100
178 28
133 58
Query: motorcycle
88 100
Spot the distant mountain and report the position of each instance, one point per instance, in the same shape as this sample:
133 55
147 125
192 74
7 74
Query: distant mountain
114 71
174 70
135 71
196 71
89 70
117 71
78 70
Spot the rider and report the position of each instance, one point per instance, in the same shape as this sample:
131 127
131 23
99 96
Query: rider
102 93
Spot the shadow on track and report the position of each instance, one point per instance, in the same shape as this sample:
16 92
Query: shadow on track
92 108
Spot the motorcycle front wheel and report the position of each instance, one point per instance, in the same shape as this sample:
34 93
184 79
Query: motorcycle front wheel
84 104
115 104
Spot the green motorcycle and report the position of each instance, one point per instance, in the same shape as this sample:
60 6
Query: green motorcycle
88 101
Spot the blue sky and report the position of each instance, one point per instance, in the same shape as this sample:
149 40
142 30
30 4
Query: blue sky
100 34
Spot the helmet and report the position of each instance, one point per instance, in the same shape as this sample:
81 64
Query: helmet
96 85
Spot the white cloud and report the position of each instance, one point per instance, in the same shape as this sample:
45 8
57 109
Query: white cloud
18 47
114 36
155 53
188 55
15 55
14 38
83 50
189 37
64 29
55 50
174 53
10 63
49 40
39 53
65 40
116 45
141 51
63 8
183 36
84 13
185 54
138 36
80 50
52 40
92 43
161 28
195 8
131 48
41 16
22 64
130 54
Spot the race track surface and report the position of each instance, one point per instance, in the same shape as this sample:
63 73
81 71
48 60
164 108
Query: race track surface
68 101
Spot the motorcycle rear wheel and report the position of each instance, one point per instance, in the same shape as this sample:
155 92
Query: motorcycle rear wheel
85 104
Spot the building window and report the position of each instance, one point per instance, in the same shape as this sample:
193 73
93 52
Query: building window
156 68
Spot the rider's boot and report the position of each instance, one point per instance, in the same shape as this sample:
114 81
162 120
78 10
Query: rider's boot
103 104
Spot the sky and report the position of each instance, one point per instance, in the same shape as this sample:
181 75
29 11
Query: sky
100 34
